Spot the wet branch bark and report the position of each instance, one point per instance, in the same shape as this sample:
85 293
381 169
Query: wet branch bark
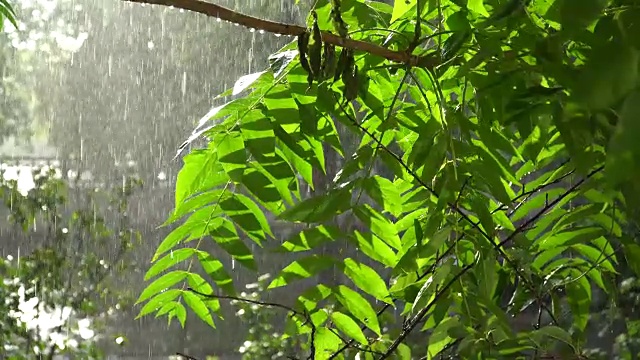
274 27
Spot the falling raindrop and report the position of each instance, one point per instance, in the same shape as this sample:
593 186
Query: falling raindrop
184 84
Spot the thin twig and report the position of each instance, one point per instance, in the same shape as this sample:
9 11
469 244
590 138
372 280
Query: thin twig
256 302
304 315
423 312
549 205
188 357
274 27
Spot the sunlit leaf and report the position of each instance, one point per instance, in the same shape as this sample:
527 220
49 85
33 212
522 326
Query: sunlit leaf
367 280
162 283
325 343
168 261
348 326
310 238
224 234
359 307
302 269
319 208
199 307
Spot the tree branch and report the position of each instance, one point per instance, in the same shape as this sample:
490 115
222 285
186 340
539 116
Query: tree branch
274 27
306 317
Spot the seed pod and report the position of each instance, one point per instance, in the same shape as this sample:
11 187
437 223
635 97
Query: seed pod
328 61
342 64
336 19
351 84
303 43
315 48
350 77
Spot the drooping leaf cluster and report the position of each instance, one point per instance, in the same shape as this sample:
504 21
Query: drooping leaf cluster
513 188
6 12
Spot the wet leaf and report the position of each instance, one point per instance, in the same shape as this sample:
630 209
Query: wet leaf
302 269
161 284
359 307
311 238
367 280
348 326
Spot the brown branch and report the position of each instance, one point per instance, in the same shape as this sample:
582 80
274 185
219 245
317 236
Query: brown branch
274 27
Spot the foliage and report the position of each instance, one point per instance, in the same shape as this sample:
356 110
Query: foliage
57 296
7 12
512 200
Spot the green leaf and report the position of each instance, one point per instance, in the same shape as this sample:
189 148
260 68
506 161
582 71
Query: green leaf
623 155
632 254
247 215
279 62
263 187
168 261
302 269
488 272
162 283
193 228
199 173
199 307
224 234
440 338
403 352
231 153
553 332
378 225
312 296
325 343
611 72
319 208
258 134
579 15
195 203
215 269
430 286
400 7
7 11
367 280
246 81
579 298
158 301
568 238
308 239
477 6
348 326
359 307
373 247
384 193
174 309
